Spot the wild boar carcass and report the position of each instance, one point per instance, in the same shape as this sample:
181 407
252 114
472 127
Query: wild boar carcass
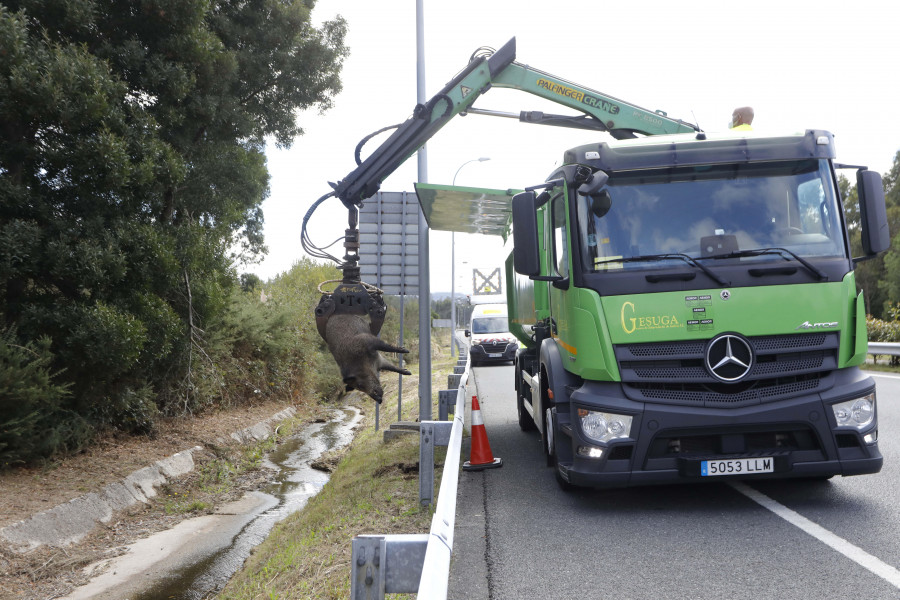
355 350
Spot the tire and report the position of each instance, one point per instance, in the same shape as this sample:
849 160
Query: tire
549 437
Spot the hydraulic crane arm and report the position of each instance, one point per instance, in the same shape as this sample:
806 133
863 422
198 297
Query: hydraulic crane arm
600 112
605 113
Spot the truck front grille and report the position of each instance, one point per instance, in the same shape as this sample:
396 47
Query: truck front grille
674 372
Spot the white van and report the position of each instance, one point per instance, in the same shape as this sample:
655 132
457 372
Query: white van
491 340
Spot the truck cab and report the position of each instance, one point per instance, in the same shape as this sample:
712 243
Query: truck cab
688 311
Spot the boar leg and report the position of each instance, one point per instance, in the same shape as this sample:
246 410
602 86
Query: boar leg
379 344
386 366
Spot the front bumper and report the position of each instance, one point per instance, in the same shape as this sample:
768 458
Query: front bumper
669 442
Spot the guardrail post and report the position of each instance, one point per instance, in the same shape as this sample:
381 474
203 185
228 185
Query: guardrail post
453 381
389 564
426 463
431 434
367 582
446 404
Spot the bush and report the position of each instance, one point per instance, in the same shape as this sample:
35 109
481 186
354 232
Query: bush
126 368
310 364
885 331
34 421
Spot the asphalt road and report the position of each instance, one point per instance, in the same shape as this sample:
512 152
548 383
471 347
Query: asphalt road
519 536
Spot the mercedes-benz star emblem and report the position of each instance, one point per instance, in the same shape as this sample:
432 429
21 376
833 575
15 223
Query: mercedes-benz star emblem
729 357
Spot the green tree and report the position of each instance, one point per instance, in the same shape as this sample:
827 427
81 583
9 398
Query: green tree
132 138
441 308
889 283
879 277
32 419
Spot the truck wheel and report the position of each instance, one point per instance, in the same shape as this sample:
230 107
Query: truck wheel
550 437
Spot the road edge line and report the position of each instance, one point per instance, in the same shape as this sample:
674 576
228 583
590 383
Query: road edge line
869 562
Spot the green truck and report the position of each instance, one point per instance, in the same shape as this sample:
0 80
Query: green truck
685 301
688 311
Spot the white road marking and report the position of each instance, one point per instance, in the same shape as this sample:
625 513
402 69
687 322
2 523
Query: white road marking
873 374
854 553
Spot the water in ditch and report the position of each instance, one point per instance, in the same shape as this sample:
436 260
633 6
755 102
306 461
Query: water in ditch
293 485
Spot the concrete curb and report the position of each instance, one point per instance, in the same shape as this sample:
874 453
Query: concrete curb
68 523
263 429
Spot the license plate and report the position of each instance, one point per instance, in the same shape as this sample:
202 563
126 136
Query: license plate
495 355
737 466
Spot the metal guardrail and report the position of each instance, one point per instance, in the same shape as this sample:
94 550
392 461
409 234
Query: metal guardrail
419 563
889 348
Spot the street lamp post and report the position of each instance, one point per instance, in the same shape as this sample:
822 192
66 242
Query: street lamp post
453 267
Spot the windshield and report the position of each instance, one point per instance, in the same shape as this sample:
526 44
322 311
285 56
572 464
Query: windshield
711 211
490 325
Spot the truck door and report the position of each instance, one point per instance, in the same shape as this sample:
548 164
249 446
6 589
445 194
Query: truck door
560 265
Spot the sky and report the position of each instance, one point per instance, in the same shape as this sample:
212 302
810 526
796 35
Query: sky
800 64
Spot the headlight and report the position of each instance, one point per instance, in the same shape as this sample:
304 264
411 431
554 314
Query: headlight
856 413
604 427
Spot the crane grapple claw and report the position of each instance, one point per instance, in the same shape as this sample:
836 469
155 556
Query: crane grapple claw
351 298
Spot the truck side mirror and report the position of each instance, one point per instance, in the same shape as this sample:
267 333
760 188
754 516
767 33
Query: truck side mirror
592 186
526 257
876 236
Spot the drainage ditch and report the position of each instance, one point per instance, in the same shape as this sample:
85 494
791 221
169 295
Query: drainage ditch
290 489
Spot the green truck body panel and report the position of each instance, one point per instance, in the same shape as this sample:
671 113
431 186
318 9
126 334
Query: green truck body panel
595 324
526 303
861 337
752 311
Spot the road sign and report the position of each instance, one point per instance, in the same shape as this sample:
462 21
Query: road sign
389 242
486 282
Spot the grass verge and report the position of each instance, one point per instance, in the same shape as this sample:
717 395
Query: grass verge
373 489
884 366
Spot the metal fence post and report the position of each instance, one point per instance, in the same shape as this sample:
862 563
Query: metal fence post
367 582
446 404
453 381
431 434
386 564
426 463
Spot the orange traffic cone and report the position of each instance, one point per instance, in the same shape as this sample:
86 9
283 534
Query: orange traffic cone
481 456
